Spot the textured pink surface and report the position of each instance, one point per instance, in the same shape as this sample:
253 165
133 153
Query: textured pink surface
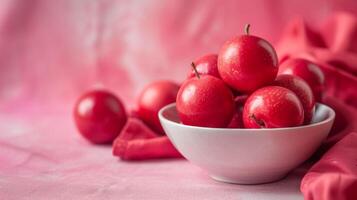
40 161
51 51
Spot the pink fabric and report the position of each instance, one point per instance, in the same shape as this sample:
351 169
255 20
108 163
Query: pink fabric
138 142
338 58
51 51
340 76
334 176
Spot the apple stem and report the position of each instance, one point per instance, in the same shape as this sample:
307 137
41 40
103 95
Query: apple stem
195 70
258 121
246 29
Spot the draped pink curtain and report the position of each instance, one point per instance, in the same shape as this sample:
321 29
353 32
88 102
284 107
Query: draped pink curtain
51 51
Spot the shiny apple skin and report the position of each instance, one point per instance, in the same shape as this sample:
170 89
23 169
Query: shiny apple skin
247 63
308 71
205 102
99 116
302 91
205 65
273 107
155 96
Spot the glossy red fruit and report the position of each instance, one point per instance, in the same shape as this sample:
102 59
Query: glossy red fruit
99 116
306 70
155 96
206 65
237 119
247 63
273 107
205 101
302 91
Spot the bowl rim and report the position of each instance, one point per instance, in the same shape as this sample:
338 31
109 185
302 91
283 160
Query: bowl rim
330 118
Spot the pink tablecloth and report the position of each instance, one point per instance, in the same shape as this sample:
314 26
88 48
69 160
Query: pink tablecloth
42 157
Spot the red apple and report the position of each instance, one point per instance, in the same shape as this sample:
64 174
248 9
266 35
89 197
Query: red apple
273 107
155 96
302 91
99 116
247 62
306 70
205 101
237 120
206 65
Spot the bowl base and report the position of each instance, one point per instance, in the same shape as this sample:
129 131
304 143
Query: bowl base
249 181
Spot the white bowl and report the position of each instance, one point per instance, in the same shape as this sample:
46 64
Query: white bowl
247 156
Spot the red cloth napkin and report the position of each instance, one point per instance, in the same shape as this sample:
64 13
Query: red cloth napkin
334 47
334 177
138 142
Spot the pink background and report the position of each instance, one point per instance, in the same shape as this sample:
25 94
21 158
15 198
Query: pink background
52 51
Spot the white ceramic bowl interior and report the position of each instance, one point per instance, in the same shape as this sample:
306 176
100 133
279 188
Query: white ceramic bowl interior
247 156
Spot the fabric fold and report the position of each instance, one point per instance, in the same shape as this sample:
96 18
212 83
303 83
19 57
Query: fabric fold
138 142
334 49
334 176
